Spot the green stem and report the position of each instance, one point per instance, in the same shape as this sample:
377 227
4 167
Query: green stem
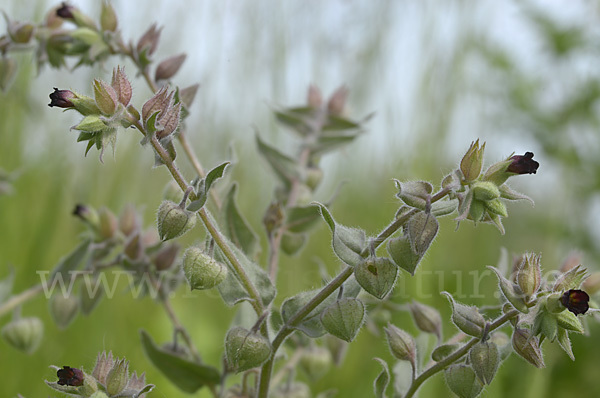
243 277
20 298
444 363
327 290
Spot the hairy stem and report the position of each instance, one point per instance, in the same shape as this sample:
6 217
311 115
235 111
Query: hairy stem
20 298
325 292
241 274
450 359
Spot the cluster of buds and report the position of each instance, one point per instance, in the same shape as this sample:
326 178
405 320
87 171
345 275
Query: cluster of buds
110 378
480 194
103 114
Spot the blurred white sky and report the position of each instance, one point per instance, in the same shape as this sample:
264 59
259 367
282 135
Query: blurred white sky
247 54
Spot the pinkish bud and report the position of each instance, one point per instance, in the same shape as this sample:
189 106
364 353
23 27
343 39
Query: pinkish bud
314 97
149 40
167 68
169 120
337 102
121 85
159 102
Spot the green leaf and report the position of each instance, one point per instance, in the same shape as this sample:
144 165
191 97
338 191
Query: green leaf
301 218
511 292
237 228
348 243
311 324
298 119
6 285
205 185
231 289
71 261
565 343
285 167
383 379
186 375
331 142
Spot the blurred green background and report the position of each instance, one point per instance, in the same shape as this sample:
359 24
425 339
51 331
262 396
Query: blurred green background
520 75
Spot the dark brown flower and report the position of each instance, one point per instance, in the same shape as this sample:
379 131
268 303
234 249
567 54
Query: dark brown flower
523 164
576 301
68 376
61 98
65 11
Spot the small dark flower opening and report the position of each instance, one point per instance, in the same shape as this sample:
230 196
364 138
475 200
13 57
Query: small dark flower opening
68 376
523 164
576 301
61 98
65 11
81 211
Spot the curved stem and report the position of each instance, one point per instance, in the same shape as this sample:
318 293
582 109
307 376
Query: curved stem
325 292
20 298
444 363
243 277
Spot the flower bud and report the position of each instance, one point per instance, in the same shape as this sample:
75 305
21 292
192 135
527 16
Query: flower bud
129 220
476 210
471 163
316 362
401 344
545 324
24 334
120 83
108 223
484 358
20 32
462 381
149 40
485 190
511 292
528 347
377 275
314 99
165 257
75 15
496 206
173 220
159 102
117 378
344 318
426 318
188 94
63 309
201 270
133 247
245 349
169 67
168 121
529 274
337 102
468 319
105 96
108 17
88 215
